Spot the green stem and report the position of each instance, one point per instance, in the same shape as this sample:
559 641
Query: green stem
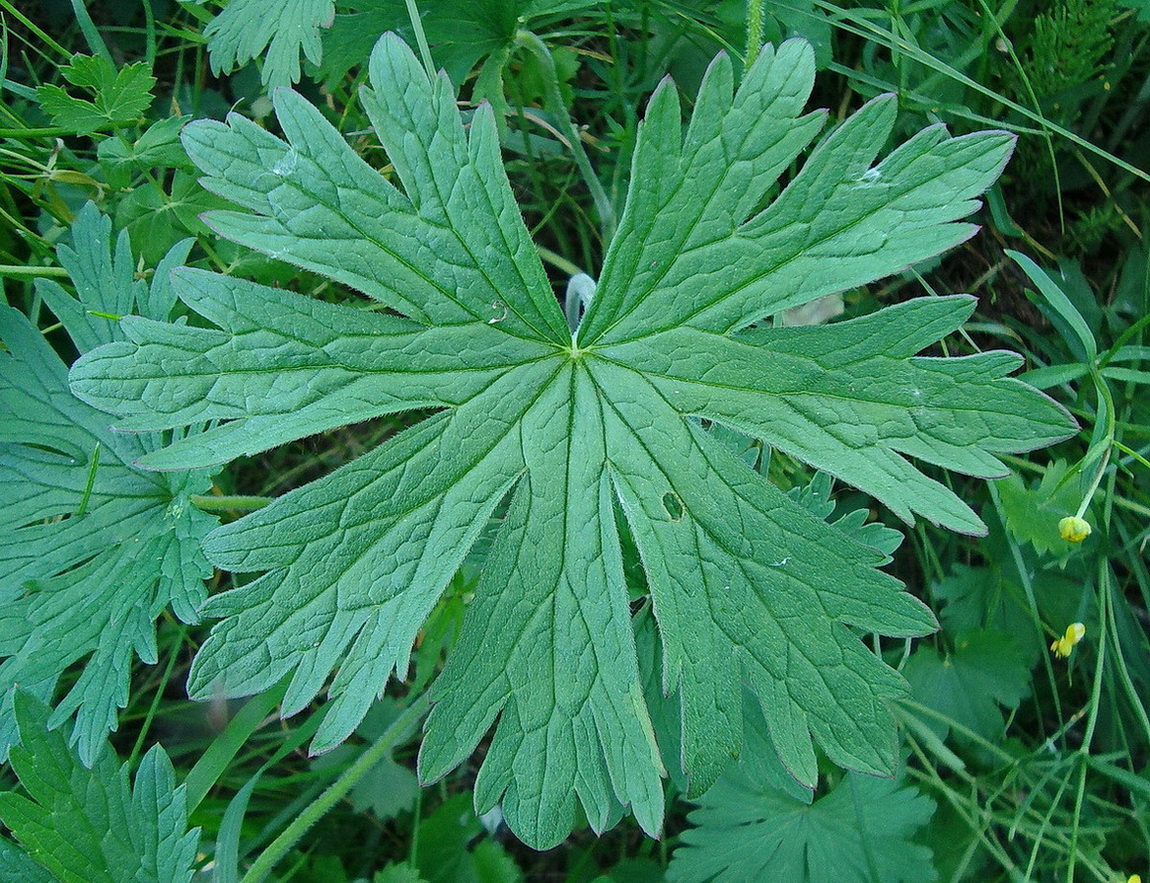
61 131
1031 600
754 30
93 465
1091 717
146 726
212 503
282 845
603 207
557 260
421 39
17 272
30 25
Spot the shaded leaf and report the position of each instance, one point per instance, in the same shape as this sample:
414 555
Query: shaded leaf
754 825
88 825
1032 513
985 671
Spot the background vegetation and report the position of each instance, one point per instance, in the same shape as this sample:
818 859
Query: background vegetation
1021 762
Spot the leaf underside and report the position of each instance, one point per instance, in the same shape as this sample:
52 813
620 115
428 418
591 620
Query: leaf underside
92 548
563 433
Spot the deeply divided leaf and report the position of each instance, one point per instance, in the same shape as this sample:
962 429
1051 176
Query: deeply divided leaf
754 824
284 27
575 440
92 548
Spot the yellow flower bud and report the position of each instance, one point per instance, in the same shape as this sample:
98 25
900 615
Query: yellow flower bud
1065 645
1073 529
1134 878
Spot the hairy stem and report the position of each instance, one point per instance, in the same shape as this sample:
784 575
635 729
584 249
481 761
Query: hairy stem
754 30
282 845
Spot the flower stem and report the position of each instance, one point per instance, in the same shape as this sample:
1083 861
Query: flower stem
282 845
754 30
603 207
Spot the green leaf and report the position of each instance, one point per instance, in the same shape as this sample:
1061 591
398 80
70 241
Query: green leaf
1032 513
284 27
753 825
156 220
1087 348
16 866
990 597
393 873
88 825
816 497
92 548
459 33
564 436
159 146
986 670
445 854
118 96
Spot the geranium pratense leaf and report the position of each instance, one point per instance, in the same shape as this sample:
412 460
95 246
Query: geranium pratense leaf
283 367
89 825
850 400
686 253
452 249
562 433
92 549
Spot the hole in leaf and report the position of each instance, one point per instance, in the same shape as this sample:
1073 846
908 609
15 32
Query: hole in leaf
673 506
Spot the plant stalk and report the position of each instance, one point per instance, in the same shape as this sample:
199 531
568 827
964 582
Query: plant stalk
603 207
282 845
754 30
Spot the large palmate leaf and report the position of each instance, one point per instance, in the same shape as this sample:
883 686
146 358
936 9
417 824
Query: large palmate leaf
559 432
92 548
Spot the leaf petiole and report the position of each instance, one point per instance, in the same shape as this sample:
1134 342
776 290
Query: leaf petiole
213 503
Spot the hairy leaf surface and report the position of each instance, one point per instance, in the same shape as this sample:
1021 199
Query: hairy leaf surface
558 432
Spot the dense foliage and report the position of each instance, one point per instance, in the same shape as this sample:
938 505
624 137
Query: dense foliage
587 444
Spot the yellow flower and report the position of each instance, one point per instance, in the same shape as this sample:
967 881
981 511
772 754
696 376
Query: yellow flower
1073 529
1134 878
1065 645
